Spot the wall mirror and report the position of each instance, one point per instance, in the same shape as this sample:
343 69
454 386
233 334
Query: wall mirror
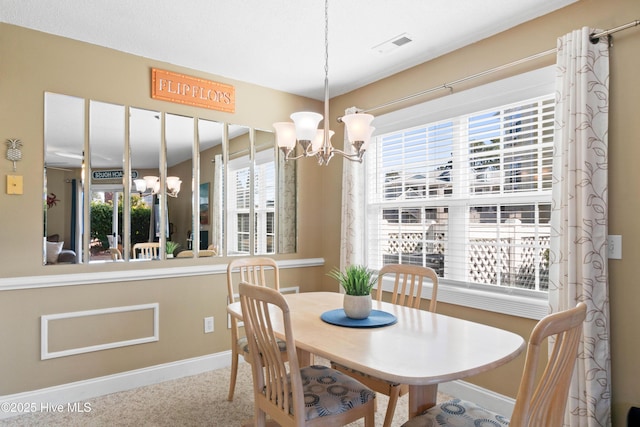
106 154
210 206
152 185
141 237
64 127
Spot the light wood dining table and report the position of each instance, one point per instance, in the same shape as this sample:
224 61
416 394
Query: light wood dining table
422 349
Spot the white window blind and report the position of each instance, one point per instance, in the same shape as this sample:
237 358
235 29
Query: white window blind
468 196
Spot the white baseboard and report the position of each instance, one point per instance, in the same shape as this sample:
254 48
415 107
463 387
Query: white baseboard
493 401
21 403
89 389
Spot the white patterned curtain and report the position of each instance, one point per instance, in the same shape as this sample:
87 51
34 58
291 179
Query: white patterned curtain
286 206
578 256
352 220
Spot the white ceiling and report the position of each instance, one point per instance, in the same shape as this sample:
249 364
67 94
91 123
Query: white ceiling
279 43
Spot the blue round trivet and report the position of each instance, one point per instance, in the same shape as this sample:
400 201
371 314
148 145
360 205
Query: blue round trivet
376 319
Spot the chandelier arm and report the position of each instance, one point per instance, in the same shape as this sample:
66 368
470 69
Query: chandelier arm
299 156
353 157
295 157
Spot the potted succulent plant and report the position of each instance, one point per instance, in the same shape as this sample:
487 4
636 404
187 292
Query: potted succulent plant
357 282
171 247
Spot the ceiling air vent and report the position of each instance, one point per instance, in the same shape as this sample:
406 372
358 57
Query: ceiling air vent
393 44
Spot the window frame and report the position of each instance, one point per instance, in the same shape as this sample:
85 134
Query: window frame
507 300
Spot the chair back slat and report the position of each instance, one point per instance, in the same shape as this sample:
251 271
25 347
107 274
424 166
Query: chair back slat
408 284
261 271
542 401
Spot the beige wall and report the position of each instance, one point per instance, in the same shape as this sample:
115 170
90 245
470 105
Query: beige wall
33 63
624 195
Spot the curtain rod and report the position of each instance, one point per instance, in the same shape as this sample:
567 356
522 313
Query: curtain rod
594 39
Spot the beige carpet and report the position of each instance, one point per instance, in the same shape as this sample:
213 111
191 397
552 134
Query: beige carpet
199 400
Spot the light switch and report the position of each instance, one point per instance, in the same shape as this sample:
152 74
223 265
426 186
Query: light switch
14 184
615 246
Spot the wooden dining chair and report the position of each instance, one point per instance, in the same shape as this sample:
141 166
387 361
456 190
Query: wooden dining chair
407 291
539 402
311 396
146 250
261 271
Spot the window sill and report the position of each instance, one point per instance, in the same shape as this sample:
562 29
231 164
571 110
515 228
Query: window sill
511 301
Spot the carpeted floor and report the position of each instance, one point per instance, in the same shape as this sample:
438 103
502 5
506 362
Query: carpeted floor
199 400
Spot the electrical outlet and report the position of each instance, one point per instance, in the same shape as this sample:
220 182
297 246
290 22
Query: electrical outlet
208 325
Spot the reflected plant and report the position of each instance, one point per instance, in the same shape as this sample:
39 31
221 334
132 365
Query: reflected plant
170 247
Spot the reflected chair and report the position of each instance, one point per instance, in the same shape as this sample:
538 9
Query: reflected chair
407 291
189 254
261 271
540 402
310 396
116 255
147 250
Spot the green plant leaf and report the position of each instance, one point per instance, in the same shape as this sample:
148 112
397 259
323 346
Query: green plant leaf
355 280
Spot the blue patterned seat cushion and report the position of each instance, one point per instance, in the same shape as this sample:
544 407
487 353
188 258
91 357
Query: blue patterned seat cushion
457 413
329 392
243 344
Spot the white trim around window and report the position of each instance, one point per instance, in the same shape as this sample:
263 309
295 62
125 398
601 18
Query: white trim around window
505 300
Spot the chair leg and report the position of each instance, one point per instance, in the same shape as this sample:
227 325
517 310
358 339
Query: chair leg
370 417
234 372
394 394
261 418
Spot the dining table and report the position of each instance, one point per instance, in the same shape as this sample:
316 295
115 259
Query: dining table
413 346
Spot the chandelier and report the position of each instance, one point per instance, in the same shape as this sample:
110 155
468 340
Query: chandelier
151 185
317 142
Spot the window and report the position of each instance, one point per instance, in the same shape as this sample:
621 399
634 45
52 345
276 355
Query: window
469 195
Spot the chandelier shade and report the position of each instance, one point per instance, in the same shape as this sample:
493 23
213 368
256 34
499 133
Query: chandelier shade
358 127
306 124
318 141
285 135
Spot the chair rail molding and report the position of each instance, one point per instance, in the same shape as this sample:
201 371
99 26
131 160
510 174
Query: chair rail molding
73 279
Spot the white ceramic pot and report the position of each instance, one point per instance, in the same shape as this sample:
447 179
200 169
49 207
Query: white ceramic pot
357 306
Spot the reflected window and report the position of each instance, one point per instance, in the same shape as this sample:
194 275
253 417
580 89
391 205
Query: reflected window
264 209
264 199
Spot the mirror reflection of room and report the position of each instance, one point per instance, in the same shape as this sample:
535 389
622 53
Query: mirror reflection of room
176 201
64 155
